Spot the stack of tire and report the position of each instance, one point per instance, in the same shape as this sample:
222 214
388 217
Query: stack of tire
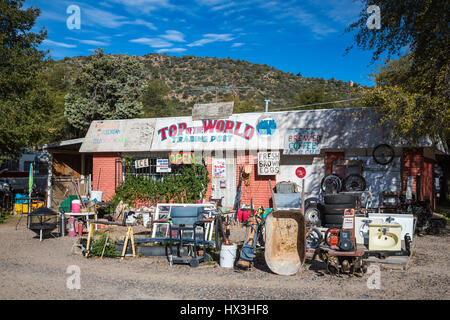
333 207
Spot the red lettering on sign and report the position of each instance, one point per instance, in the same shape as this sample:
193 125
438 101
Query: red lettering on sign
162 132
220 126
181 127
229 126
208 125
249 131
172 130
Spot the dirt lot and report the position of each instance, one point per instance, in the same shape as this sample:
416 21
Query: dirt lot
30 269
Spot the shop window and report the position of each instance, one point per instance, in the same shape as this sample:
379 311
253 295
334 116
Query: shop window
148 167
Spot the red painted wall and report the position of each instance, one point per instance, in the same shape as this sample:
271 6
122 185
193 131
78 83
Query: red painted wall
105 162
209 189
258 191
414 163
330 157
427 185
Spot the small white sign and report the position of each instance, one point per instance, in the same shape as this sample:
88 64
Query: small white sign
219 168
268 163
347 223
141 163
162 165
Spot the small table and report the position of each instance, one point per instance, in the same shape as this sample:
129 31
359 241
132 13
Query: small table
83 214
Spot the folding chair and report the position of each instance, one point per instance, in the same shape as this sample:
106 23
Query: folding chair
187 219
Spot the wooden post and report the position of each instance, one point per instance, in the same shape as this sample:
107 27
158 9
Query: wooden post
132 241
303 196
104 247
91 230
125 244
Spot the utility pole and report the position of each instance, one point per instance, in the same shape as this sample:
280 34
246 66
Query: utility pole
267 105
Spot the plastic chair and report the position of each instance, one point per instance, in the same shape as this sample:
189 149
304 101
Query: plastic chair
187 219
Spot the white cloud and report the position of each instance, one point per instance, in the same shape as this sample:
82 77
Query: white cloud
176 50
106 19
237 44
144 23
173 35
211 37
210 2
144 5
223 6
90 42
152 42
58 44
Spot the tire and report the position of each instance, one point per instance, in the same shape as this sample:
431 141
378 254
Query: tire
338 199
328 209
334 219
193 263
383 154
312 215
314 239
311 202
331 179
354 182
331 226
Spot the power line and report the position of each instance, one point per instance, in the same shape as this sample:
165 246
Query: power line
315 104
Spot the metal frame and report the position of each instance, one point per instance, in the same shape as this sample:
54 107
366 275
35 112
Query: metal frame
209 226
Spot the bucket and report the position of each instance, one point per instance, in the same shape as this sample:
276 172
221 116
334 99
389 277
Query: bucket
76 206
96 196
228 255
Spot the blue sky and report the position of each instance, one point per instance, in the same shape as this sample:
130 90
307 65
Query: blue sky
294 36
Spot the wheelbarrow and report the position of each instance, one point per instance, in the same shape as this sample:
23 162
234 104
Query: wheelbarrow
285 245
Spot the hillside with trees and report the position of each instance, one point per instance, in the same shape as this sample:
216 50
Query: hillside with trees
170 85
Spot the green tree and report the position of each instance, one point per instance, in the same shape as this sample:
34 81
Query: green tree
107 87
310 95
25 104
412 93
56 76
155 101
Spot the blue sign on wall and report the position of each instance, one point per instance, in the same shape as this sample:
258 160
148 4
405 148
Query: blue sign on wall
266 127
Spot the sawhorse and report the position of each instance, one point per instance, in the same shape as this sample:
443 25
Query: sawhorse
129 237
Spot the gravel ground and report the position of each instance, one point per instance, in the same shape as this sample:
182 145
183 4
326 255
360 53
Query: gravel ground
30 269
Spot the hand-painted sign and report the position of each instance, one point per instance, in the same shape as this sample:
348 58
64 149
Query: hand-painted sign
141 163
268 163
266 126
181 158
211 131
219 168
133 135
212 110
300 172
162 165
302 141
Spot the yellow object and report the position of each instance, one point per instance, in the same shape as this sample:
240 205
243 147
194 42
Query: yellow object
20 208
130 235
385 237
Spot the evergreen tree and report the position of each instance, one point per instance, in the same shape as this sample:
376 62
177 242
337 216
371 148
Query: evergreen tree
25 104
107 87
155 101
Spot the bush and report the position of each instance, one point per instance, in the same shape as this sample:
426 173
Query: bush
98 244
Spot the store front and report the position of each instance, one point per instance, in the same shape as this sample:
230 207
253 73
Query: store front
244 151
